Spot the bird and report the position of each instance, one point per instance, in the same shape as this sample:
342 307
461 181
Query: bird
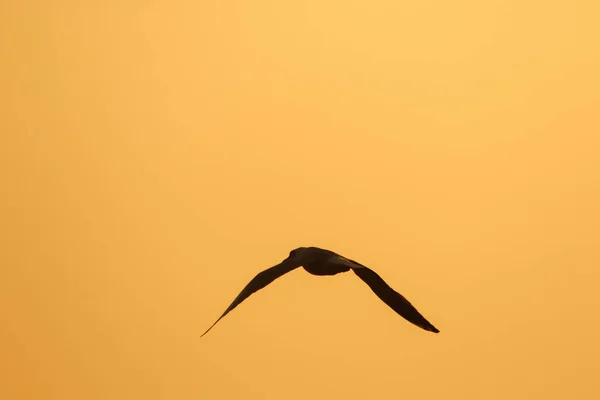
321 262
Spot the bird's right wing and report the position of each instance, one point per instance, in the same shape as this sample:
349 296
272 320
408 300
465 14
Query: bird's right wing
261 280
395 300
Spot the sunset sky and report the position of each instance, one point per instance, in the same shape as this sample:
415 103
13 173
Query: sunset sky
156 155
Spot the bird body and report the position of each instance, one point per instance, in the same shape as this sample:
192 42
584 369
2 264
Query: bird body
323 262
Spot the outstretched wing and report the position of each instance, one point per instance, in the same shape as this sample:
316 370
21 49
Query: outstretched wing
392 298
260 281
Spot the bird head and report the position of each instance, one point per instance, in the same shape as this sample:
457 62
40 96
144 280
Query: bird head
296 253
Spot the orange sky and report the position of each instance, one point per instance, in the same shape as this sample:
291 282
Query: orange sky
156 155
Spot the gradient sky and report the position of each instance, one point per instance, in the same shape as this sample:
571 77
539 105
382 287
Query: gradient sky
156 155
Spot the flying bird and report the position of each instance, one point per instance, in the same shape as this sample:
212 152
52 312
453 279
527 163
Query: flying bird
318 261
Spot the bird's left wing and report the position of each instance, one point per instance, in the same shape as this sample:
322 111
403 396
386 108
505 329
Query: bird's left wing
261 280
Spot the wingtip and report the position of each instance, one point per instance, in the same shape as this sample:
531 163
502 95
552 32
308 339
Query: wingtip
429 327
206 331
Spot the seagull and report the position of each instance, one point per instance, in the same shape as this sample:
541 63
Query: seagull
322 262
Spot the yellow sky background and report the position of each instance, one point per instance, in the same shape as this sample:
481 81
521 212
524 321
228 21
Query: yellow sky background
156 155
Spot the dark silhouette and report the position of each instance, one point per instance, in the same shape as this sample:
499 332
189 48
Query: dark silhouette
318 261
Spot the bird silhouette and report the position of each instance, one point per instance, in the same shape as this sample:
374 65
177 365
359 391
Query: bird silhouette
318 261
